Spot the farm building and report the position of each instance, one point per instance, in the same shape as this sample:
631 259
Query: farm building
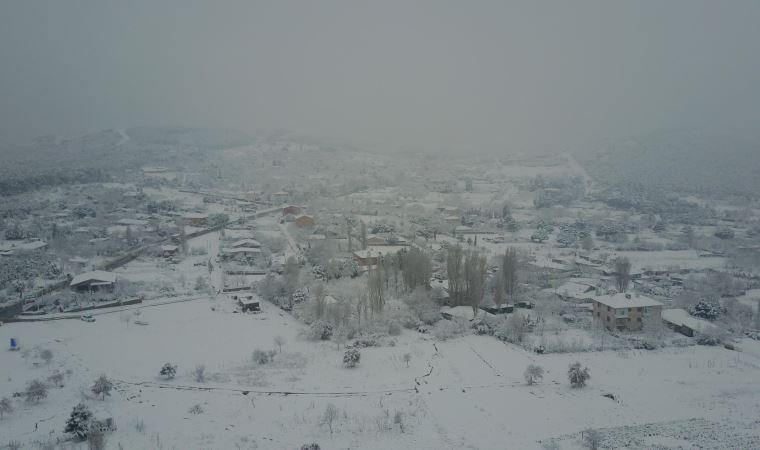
240 252
304 221
248 302
250 243
623 311
278 198
197 220
681 321
291 209
95 281
167 251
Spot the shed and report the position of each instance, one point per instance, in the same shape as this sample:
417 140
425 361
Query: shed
95 281
681 321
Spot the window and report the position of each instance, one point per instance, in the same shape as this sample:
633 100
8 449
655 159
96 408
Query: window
598 314
608 318
609 309
638 319
638 309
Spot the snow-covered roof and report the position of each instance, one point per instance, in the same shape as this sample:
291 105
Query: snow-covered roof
380 250
246 243
681 317
169 248
241 250
134 222
97 276
574 290
622 300
464 312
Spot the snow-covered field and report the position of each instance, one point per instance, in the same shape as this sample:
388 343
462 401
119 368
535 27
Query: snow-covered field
464 393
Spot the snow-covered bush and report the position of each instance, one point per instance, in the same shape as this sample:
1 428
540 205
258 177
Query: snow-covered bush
577 375
79 421
320 330
260 357
351 358
447 329
200 373
196 409
168 371
312 446
36 390
706 310
533 374
102 387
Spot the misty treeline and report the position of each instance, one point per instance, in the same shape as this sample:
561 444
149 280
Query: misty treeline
13 182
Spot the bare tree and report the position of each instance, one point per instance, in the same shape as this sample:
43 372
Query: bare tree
330 416
279 341
509 270
622 273
102 387
475 279
375 291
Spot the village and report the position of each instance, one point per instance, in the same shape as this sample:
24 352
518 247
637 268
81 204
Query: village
370 303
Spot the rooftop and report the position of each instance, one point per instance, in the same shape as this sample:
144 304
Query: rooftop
621 300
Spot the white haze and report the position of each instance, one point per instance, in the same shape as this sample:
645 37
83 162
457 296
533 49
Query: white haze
454 76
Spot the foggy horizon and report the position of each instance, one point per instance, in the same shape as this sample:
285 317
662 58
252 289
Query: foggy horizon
487 77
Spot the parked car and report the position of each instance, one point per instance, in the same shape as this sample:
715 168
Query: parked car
87 318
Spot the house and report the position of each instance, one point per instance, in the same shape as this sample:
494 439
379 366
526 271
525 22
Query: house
453 220
167 251
196 220
625 312
374 239
462 312
574 291
248 302
250 243
370 256
304 221
95 281
291 209
681 321
278 198
240 252
504 308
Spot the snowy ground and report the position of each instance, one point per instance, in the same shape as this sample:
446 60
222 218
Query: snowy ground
473 397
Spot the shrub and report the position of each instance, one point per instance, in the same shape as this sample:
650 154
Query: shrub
312 446
533 373
36 390
351 358
196 409
577 375
447 329
200 373
168 371
394 329
320 330
260 357
102 387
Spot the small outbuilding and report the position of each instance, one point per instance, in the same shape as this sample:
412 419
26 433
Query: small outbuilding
94 281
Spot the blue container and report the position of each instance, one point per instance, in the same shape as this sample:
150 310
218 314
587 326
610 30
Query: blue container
14 344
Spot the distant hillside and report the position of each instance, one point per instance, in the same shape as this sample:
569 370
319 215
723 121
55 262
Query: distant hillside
683 161
49 161
190 136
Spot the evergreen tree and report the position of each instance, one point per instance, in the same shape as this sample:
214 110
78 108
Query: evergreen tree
79 421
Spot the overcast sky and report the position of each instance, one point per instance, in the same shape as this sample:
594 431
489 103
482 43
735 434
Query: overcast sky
462 75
